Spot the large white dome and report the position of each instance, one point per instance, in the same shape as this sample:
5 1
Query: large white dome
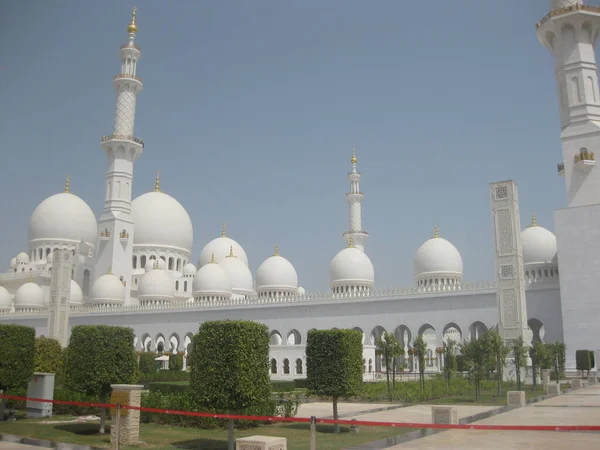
539 245
238 273
156 284
211 280
276 273
437 257
161 221
220 248
63 217
5 299
29 296
76 295
108 289
351 266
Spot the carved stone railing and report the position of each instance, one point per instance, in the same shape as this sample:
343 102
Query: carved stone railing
122 137
568 9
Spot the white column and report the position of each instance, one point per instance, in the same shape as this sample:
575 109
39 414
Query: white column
60 296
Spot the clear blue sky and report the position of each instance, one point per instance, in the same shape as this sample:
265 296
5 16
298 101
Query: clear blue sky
250 110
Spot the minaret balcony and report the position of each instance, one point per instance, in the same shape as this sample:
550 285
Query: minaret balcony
584 158
122 137
567 10
355 233
123 237
126 76
561 169
105 236
137 47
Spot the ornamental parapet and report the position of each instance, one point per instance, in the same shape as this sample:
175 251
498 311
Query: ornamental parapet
346 233
584 156
120 76
566 10
122 137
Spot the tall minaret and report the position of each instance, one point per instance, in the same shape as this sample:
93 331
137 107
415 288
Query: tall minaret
355 236
115 244
569 31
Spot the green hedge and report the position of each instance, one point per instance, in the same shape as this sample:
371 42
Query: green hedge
164 375
230 366
176 362
282 386
17 351
148 363
301 383
168 388
98 356
48 355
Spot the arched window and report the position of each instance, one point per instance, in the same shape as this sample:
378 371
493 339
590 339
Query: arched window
299 366
143 262
135 262
177 285
286 366
370 365
273 366
86 282
171 263
185 286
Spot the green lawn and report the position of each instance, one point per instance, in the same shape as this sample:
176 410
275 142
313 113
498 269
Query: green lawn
167 437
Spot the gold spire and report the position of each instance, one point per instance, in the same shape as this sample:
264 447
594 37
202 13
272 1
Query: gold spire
354 160
157 182
132 28
533 222
67 183
212 258
350 243
109 270
231 255
276 250
436 232
223 230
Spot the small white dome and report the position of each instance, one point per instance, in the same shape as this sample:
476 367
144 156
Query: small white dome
50 258
239 275
161 264
22 258
211 280
76 296
539 245
437 257
5 299
108 289
220 248
276 273
351 266
150 265
156 284
13 262
301 291
65 217
189 269
29 296
161 221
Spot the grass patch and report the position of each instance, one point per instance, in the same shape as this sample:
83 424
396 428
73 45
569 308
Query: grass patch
166 437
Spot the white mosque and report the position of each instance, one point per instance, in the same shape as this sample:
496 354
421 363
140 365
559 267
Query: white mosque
133 266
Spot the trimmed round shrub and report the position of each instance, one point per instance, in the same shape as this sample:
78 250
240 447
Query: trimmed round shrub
48 355
17 350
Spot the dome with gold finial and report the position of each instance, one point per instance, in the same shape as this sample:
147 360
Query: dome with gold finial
29 296
220 246
351 270
63 217
437 261
108 290
211 281
276 276
538 244
161 222
239 274
132 27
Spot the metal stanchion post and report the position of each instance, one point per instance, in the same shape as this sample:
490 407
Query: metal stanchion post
118 425
313 433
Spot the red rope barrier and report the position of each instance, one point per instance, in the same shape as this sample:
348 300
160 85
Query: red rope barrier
365 423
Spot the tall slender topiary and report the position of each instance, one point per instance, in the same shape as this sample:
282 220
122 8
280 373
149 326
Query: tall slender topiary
98 356
334 364
230 368
17 350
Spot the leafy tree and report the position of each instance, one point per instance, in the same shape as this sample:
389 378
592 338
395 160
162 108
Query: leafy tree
334 364
17 350
420 351
176 361
498 351
557 354
230 367
450 363
519 351
538 354
48 355
98 356
389 349
478 361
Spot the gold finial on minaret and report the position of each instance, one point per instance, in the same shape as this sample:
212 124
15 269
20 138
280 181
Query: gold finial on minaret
223 230
132 27
276 250
354 159
231 255
436 232
109 270
157 182
68 183
212 258
350 243
533 222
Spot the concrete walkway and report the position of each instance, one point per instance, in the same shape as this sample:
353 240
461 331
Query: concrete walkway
580 407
